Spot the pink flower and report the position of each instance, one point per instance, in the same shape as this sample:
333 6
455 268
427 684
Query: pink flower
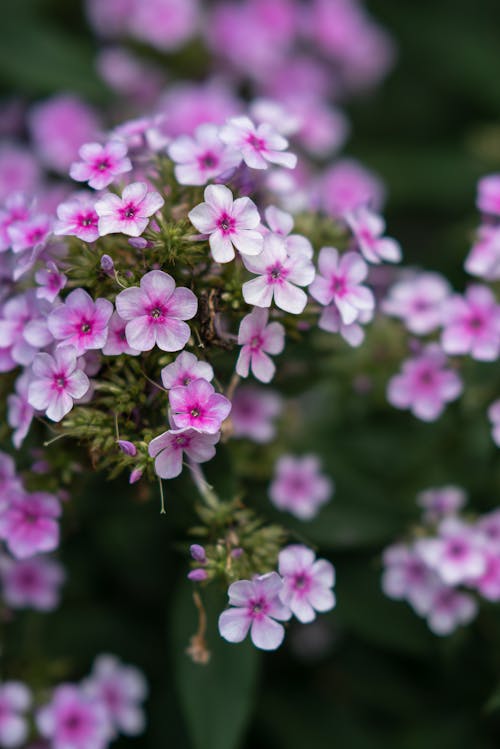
438 503
281 223
424 384
77 217
471 324
279 275
299 487
155 312
16 208
15 700
51 281
494 417
258 339
483 259
116 342
488 194
29 525
368 229
488 584
166 24
80 322
100 165
19 412
32 232
73 720
353 333
418 301
57 382
254 412
339 281
307 582
198 406
407 577
129 214
31 583
255 606
346 186
19 171
202 157
168 450
258 145
23 330
188 105
228 223
455 555
184 369
8 478
120 689
449 609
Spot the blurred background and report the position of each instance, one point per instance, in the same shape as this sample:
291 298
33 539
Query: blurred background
369 674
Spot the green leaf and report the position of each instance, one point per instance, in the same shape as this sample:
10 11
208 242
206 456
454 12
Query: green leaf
217 698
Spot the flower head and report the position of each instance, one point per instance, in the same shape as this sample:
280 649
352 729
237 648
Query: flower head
340 282
368 229
80 322
129 214
184 369
29 525
77 217
74 719
307 582
50 282
258 145
483 259
168 450
440 502
418 301
471 324
116 342
31 583
254 412
258 339
299 487
57 381
201 157
155 312
456 555
229 223
255 607
100 165
198 406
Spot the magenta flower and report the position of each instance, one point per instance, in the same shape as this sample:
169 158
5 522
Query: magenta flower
368 229
483 259
258 339
228 223
77 217
15 700
50 282
129 214
155 312
80 322
339 282
202 157
168 450
116 342
299 487
29 525
424 385
256 606
120 689
448 609
254 412
418 301
307 582
471 324
31 583
33 232
57 382
279 276
346 186
456 555
259 145
100 165
488 194
198 406
73 720
23 330
184 369
15 208
407 577
440 502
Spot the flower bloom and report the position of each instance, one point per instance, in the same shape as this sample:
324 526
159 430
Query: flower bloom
19 412
15 700
50 282
418 301
73 719
258 339
80 322
155 312
339 282
29 525
488 194
228 223
116 342
407 577
424 384
440 502
129 214
278 276
299 486
256 606
353 333
168 449
184 369
57 382
31 583
100 165
448 609
33 232
471 324
307 582
23 329
120 689
259 146
346 186
202 157
198 406
77 217
368 229
254 412
455 555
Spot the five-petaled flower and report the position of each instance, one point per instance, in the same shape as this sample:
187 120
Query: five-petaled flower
258 339
80 322
129 214
307 582
57 382
100 165
198 406
168 449
259 145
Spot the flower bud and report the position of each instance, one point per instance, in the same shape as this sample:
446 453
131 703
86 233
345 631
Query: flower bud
198 553
127 447
197 575
135 475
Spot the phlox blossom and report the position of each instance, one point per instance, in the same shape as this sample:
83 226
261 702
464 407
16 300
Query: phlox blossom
130 213
339 281
307 582
201 157
77 217
254 413
198 406
368 229
258 339
100 165
31 583
488 194
258 145
471 324
168 449
80 321
74 719
299 486
29 525
184 369
418 301
57 381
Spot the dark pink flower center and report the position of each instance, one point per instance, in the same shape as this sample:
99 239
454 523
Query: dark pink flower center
208 160
103 164
87 219
181 441
226 223
302 581
258 607
276 273
28 579
86 327
457 548
73 722
256 342
255 142
60 381
157 313
338 285
128 211
427 377
476 322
